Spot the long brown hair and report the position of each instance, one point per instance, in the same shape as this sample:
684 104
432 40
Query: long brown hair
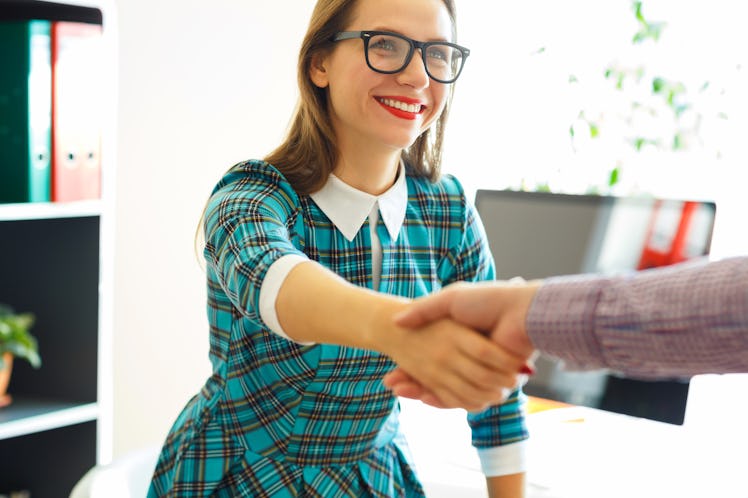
308 154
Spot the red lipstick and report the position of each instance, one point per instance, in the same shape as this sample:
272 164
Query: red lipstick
386 102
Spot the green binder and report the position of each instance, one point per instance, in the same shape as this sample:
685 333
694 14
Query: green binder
25 111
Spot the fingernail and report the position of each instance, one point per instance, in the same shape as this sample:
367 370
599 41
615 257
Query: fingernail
527 370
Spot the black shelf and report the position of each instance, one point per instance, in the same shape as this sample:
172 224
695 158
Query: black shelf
50 267
48 463
18 10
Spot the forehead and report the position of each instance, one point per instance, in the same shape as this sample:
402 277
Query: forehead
419 19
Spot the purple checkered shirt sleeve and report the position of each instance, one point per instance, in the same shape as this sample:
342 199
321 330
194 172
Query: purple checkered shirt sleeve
681 320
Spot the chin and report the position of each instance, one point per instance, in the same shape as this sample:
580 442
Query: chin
401 146
403 141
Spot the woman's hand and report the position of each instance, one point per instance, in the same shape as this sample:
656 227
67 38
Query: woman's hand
496 309
448 365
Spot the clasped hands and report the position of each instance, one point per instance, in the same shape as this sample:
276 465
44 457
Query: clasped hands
468 345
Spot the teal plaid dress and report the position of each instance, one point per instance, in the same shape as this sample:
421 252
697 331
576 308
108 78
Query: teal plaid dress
281 419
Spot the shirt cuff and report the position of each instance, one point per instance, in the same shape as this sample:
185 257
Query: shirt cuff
271 285
504 460
561 320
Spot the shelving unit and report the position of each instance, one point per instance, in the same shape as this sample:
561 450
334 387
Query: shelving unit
48 210
56 262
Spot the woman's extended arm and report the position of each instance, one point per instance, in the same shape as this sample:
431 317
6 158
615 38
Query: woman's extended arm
458 364
508 486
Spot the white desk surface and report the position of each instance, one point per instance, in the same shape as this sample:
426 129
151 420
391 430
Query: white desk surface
579 452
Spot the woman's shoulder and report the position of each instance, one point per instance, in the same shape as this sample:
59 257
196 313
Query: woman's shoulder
445 185
251 184
248 173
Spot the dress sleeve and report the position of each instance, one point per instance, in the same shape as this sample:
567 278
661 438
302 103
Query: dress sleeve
499 432
469 258
250 223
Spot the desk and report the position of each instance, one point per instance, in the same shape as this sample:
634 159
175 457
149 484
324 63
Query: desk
579 452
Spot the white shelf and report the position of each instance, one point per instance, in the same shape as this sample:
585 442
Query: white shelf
28 416
49 210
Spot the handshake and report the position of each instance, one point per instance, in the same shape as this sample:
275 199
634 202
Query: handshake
472 348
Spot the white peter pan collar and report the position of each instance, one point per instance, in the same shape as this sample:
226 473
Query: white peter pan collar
348 208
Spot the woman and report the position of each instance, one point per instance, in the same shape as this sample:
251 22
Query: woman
312 251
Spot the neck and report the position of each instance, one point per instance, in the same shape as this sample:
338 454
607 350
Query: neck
369 172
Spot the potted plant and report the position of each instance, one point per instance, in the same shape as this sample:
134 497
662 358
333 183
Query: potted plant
15 342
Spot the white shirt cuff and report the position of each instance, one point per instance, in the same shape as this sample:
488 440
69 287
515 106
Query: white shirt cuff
504 460
271 285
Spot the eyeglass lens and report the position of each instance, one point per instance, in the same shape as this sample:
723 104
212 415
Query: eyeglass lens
390 53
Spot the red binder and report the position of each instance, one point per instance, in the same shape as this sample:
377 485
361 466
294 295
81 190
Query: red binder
76 111
666 243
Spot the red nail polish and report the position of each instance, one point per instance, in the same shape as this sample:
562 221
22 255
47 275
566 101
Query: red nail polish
527 370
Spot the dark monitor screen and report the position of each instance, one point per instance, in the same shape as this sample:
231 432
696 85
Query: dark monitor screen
540 234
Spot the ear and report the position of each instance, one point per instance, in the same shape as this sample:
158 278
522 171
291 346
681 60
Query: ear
318 70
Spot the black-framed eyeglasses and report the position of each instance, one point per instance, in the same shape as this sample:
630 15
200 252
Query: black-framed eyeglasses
390 53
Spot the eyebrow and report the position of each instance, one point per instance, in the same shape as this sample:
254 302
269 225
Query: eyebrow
391 30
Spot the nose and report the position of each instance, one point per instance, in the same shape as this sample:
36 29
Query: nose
414 73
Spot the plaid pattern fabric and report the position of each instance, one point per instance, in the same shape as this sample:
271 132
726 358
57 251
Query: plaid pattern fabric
281 419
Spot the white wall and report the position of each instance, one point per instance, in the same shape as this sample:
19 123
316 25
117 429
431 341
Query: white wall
202 85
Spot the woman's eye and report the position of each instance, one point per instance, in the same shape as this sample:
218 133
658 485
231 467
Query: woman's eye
383 44
438 54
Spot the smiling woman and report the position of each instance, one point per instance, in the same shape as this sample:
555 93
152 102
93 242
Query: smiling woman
311 252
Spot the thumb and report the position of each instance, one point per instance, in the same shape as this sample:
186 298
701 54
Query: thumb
396 376
424 311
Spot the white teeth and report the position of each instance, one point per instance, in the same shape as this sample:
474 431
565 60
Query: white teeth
414 108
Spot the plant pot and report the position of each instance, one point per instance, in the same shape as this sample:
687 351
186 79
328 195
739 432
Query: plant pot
5 398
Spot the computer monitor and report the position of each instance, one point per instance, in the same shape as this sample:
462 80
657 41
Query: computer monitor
541 234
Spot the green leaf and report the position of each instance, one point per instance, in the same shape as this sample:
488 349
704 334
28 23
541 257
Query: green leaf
614 176
15 337
677 142
639 142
